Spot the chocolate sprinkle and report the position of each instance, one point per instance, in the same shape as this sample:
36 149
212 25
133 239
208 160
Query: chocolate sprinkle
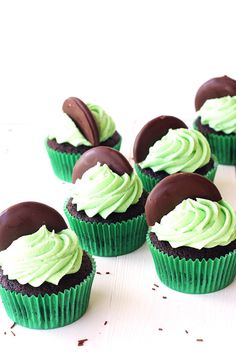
13 325
160 329
105 323
157 286
153 289
99 273
186 331
199 340
13 333
108 273
164 297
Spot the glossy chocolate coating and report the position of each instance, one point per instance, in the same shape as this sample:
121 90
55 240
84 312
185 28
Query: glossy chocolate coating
105 155
215 88
83 118
26 218
152 131
172 190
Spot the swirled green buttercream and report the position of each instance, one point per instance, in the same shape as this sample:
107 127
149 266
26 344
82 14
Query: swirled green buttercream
181 149
42 257
219 114
67 132
198 223
102 191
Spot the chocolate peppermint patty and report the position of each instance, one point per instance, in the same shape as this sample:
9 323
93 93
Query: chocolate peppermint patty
70 149
132 212
190 252
68 281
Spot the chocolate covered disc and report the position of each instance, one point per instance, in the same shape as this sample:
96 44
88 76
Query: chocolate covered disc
83 118
154 130
172 190
215 88
26 218
105 155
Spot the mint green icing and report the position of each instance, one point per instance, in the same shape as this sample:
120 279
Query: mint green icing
67 132
102 191
198 223
219 114
42 256
181 149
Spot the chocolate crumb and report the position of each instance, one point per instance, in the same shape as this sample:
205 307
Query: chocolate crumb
160 329
13 333
5 333
81 342
99 273
164 297
199 340
105 323
157 286
186 331
108 273
153 289
13 325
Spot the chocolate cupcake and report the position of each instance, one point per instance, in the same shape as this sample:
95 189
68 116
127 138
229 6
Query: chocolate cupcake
215 104
192 234
165 146
106 205
82 127
45 276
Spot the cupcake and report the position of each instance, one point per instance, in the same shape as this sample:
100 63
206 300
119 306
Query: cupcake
45 277
192 234
215 104
165 146
106 204
82 127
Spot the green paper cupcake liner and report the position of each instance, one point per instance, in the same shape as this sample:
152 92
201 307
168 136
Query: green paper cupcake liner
49 311
223 146
63 163
147 181
194 276
109 240
150 182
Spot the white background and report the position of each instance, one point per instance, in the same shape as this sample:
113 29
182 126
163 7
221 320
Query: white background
138 60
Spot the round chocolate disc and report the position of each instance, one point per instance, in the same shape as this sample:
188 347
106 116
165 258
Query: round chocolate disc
26 218
215 88
172 190
105 155
83 118
152 131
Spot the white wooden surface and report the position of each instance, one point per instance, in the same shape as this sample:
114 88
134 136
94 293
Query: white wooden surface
137 59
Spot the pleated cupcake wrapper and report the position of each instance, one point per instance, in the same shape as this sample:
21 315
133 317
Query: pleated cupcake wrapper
109 240
63 163
147 181
49 311
150 182
194 276
224 147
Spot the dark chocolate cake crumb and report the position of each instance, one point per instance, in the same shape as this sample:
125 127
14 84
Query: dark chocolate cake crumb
199 340
81 342
13 333
105 323
13 325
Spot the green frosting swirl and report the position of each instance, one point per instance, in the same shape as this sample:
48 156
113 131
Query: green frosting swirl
198 223
102 191
42 256
219 114
68 132
182 149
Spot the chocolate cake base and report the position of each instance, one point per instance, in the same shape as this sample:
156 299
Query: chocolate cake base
70 149
192 253
162 174
68 281
131 212
205 129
